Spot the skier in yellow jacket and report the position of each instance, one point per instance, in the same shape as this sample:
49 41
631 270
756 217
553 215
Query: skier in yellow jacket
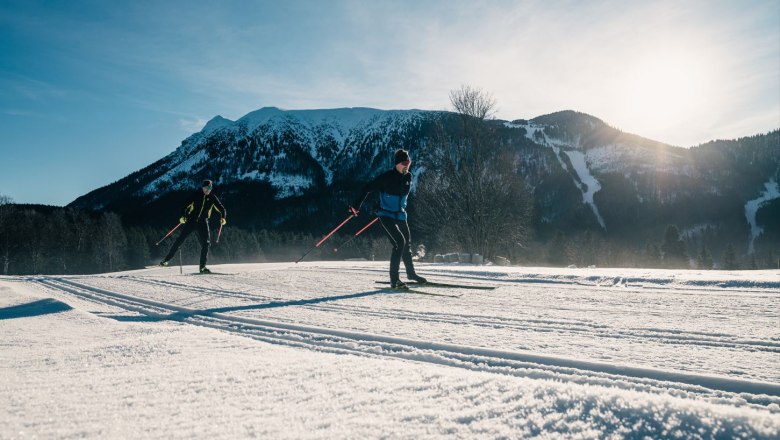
196 218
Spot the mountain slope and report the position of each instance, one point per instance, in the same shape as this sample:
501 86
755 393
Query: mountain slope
280 168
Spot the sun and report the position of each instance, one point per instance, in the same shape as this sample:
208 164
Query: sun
666 88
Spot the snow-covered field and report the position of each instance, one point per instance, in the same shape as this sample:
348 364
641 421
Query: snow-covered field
319 350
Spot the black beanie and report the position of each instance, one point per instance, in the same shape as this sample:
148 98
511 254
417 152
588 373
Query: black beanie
206 183
401 155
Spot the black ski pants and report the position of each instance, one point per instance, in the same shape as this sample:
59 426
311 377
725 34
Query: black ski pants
202 227
398 233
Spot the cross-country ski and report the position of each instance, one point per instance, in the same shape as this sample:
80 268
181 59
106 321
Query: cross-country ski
446 285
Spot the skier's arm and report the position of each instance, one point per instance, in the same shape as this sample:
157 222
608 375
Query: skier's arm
218 206
188 208
372 186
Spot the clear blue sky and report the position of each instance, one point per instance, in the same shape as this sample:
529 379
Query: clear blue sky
91 91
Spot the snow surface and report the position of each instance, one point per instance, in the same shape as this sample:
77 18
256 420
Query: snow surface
186 166
288 184
347 118
339 121
319 350
608 157
216 123
771 192
593 186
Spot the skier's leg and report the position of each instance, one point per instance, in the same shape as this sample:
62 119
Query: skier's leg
397 240
406 254
185 232
205 242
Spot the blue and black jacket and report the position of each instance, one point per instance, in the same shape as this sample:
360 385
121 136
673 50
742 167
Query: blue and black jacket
393 190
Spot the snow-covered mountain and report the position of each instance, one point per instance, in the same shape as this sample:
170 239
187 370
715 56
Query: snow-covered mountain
584 173
293 151
629 182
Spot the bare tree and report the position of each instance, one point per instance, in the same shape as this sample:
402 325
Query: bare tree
473 198
473 102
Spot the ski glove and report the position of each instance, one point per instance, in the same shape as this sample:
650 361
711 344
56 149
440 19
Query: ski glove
354 211
222 221
183 220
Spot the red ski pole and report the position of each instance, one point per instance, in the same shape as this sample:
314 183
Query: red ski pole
351 216
336 249
169 233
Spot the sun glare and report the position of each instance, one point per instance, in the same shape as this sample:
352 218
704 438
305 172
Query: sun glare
664 89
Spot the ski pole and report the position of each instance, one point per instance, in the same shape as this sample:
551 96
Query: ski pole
219 232
326 237
336 249
169 233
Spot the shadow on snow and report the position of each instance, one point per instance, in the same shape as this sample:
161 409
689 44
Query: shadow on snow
35 308
180 316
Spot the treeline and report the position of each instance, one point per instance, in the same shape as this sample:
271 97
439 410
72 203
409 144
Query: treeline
52 240
38 239
671 250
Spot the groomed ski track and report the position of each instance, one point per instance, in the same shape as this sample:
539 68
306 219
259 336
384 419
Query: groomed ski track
499 361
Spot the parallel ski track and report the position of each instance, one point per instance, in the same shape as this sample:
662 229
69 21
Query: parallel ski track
472 358
624 283
664 336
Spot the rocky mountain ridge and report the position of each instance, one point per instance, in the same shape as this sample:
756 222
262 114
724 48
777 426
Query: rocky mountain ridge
584 174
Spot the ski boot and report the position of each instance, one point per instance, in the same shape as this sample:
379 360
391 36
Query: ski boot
398 285
417 279
164 263
204 269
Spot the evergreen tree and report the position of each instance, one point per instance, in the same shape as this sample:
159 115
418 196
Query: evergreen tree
557 250
83 227
586 250
32 241
652 255
752 263
673 248
730 258
704 259
59 242
6 214
111 243
771 261
137 249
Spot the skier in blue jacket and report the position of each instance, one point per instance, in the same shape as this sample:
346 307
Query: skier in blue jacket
393 187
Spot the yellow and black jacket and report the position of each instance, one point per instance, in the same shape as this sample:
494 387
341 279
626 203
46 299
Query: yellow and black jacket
200 205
